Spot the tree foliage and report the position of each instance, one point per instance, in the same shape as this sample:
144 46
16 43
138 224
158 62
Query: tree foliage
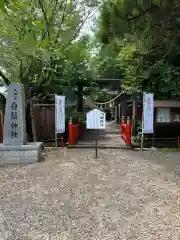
146 35
37 37
41 48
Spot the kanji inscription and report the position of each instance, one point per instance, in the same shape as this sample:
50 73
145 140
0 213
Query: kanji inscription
14 124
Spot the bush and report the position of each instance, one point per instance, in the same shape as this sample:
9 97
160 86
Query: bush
76 116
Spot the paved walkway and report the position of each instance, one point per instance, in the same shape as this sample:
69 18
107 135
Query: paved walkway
109 137
73 196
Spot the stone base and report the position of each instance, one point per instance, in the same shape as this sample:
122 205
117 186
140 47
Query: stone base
29 153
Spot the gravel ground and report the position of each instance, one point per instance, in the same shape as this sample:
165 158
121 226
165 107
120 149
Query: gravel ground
121 195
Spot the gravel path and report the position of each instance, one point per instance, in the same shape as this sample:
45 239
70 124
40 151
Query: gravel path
120 195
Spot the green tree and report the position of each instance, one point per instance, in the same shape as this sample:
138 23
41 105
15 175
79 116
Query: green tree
35 36
147 36
76 72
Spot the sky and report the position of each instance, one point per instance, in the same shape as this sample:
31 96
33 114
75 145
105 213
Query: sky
89 24
3 90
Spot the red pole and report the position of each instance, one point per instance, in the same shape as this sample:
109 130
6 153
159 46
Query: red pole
71 132
123 135
128 132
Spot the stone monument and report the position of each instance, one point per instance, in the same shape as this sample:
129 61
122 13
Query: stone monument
15 148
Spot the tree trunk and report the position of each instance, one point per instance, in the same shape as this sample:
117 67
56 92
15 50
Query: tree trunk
80 98
124 109
5 79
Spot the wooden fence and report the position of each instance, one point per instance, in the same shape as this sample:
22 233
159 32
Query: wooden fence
44 117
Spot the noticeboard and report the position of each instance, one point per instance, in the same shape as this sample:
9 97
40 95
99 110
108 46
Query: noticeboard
96 119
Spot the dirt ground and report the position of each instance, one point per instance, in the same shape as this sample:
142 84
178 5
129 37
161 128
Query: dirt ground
123 194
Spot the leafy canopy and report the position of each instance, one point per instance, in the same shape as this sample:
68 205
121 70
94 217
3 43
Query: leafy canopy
36 36
146 36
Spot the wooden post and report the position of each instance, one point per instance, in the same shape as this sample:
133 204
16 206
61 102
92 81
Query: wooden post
79 128
1 127
134 119
154 133
119 112
116 113
96 148
142 134
178 142
33 125
121 125
111 113
71 133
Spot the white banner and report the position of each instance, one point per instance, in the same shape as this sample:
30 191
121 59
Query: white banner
148 113
60 114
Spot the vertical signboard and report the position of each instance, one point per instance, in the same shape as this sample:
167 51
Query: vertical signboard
96 119
148 113
59 114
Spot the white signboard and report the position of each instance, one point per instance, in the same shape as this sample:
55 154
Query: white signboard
148 113
163 115
95 119
60 114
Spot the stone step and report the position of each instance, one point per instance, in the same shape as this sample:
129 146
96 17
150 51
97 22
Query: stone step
99 146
